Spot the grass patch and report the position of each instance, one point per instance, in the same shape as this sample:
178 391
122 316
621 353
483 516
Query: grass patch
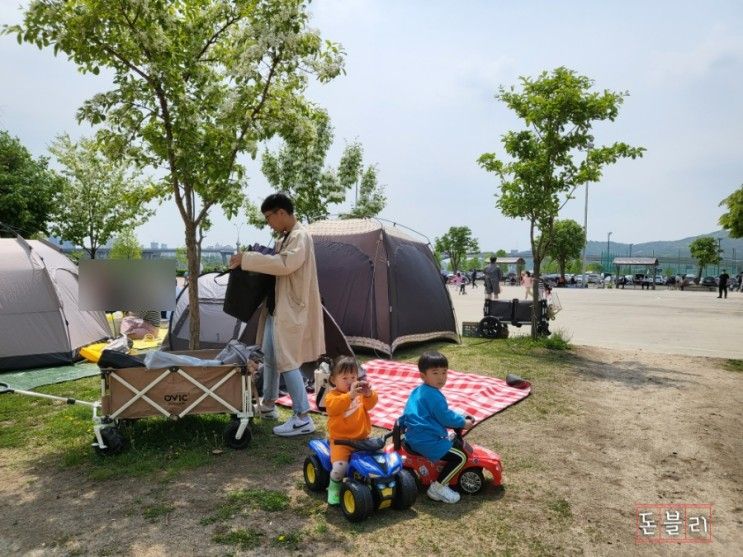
239 501
733 365
153 513
244 539
560 507
290 540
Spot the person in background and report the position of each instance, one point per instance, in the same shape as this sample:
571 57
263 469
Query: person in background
722 286
492 280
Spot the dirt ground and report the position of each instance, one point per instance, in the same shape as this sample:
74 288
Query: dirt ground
635 427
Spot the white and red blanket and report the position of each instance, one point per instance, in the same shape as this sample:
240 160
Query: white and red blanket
477 395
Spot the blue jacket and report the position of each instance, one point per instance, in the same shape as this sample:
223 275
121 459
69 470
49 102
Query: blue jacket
426 419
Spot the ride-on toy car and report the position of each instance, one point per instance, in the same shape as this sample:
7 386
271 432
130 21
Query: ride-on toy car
470 480
375 478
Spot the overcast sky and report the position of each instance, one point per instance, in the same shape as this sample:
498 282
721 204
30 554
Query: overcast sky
419 95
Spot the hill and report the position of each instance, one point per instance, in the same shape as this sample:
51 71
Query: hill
672 248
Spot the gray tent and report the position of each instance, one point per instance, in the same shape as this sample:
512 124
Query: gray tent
40 323
382 286
217 328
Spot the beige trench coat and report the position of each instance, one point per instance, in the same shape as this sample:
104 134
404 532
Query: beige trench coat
299 334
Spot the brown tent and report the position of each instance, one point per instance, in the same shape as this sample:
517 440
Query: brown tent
40 322
381 286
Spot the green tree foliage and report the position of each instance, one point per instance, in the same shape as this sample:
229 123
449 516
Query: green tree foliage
732 221
559 110
706 251
27 189
299 170
197 84
503 267
126 246
568 239
99 197
455 245
369 198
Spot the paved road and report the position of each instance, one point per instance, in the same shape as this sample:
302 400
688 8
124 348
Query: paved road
664 321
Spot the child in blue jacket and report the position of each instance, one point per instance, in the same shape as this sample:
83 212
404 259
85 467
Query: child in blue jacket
427 417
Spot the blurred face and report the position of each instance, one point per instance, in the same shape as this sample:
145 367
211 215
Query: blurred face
435 377
345 379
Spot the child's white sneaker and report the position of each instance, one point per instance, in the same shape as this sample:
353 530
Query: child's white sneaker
267 412
295 426
442 493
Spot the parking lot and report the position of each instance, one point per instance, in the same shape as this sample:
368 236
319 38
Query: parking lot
665 321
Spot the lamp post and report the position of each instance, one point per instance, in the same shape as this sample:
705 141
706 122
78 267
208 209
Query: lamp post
589 146
608 258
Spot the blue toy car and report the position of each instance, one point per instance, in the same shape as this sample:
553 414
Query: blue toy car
375 478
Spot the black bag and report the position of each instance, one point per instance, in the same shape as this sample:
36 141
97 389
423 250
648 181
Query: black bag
116 360
246 291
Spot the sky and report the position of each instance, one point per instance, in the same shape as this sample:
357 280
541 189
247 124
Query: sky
419 96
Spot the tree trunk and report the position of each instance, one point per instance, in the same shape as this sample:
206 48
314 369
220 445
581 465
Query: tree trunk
535 298
561 264
193 287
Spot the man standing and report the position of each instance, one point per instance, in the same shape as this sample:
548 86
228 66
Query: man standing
723 284
492 280
290 326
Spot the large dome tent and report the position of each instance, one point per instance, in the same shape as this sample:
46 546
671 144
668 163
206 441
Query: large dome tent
41 324
381 285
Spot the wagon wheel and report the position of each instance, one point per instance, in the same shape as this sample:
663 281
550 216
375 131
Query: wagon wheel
113 439
490 327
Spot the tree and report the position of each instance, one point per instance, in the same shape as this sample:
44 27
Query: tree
706 251
503 267
369 198
456 244
298 169
732 221
27 189
126 246
568 239
98 197
197 84
559 110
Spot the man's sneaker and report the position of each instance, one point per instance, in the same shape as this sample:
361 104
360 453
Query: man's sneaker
267 412
442 493
295 426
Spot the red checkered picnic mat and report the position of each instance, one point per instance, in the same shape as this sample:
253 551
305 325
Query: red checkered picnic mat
476 395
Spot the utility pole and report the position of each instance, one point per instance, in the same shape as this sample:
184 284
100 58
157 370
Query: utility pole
608 256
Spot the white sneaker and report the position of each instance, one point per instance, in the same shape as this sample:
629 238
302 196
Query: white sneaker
295 426
267 412
442 493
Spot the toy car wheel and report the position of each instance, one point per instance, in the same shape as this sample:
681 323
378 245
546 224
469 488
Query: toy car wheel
114 441
489 327
471 481
356 501
406 491
316 477
231 431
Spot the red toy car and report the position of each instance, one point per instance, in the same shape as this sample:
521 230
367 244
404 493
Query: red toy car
470 480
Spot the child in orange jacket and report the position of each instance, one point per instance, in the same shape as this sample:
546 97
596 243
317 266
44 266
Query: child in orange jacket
348 406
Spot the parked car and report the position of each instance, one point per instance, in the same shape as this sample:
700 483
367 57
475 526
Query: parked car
709 281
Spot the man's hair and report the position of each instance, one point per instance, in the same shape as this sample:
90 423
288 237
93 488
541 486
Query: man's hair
492 259
429 360
277 201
